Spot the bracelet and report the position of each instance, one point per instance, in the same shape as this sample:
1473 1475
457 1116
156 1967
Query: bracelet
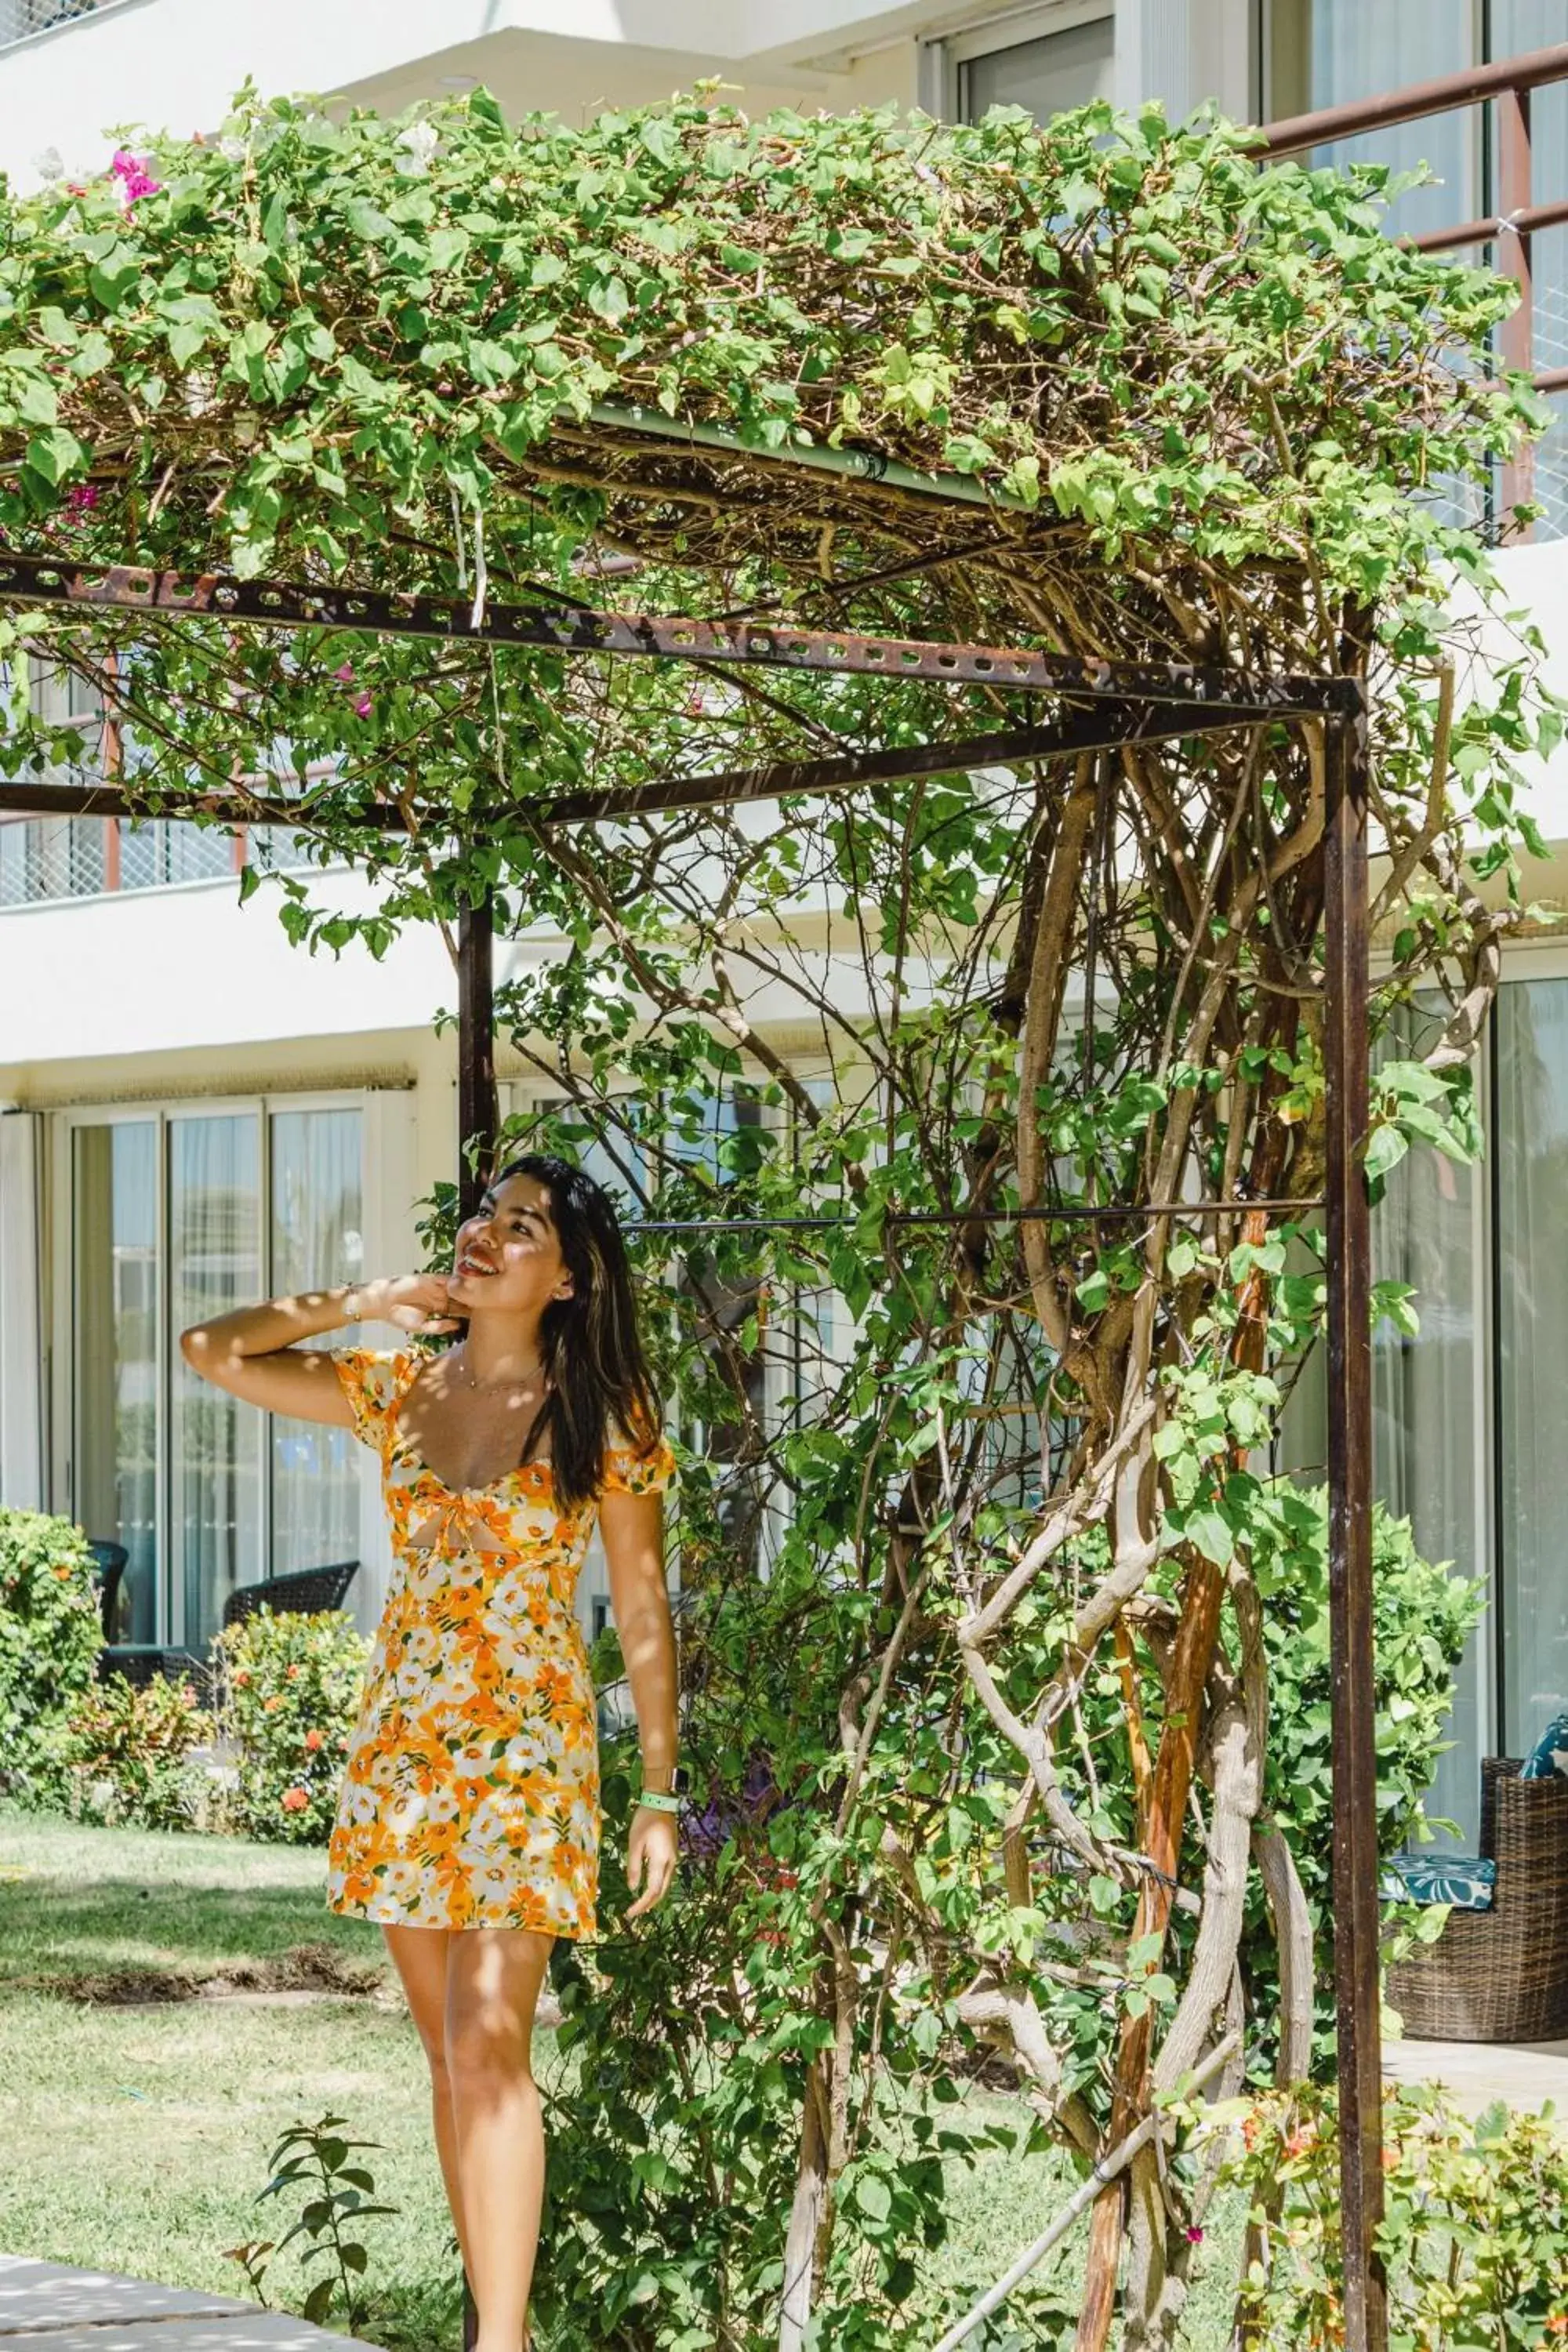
655 1800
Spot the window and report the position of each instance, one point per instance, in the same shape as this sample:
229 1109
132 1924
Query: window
1048 72
1318 53
177 1216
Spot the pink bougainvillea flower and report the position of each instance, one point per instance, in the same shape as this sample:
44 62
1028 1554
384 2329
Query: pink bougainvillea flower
363 707
294 1800
82 497
345 676
1195 2236
134 173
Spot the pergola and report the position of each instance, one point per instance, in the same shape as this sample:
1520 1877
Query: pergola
1094 705
1111 346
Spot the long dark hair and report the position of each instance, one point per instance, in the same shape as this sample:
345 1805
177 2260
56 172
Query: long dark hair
591 1348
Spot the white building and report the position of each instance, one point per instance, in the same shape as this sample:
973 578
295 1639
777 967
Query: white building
194 1112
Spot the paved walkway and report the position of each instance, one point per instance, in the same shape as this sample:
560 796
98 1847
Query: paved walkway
1474 2073
45 2307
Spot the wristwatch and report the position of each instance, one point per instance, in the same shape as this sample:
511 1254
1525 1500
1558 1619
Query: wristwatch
670 1799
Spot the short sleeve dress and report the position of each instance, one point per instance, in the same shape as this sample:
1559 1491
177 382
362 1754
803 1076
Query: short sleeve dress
470 1797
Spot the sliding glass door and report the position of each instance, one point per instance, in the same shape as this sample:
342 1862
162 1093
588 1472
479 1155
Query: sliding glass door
115 1281
176 1216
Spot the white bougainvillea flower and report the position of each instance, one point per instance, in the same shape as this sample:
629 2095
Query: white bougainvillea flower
417 143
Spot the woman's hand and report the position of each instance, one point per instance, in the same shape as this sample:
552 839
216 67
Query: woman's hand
650 1857
420 1303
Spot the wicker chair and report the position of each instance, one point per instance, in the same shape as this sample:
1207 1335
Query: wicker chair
1500 1975
302 1594
143 1662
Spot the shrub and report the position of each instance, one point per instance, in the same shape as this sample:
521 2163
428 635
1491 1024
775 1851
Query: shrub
49 1640
291 1691
1475 2238
126 1752
1422 1617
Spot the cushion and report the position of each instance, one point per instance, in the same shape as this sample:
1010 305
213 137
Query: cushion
1548 1760
1465 1880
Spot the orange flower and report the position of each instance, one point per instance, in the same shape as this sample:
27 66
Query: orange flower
268 1705
313 1738
294 1800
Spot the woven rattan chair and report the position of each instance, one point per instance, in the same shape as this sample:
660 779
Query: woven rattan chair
1500 1975
302 1594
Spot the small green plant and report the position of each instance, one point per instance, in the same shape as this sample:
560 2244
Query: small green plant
1475 2238
126 1755
291 1687
316 2158
49 1640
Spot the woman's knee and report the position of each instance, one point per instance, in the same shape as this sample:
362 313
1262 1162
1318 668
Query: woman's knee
484 2043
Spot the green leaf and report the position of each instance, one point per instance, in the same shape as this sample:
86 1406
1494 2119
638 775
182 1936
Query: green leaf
873 2196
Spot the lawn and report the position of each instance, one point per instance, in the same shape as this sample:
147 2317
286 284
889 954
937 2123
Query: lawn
138 2130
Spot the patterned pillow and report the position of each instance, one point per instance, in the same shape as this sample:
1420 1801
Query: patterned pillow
1548 1760
1465 1880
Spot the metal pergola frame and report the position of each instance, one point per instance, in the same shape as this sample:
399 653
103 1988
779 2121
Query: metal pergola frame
1108 703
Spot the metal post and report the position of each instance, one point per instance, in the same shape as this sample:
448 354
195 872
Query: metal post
1356 1863
478 1109
1515 336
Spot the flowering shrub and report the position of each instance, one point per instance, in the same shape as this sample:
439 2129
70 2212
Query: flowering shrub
1475 2238
126 1755
291 1690
49 1640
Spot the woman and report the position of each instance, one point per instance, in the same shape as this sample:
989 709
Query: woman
468 1822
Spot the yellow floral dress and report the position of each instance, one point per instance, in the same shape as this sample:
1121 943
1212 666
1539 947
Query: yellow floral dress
470 1797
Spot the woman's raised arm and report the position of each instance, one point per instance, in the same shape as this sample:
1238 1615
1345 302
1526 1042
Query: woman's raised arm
255 1351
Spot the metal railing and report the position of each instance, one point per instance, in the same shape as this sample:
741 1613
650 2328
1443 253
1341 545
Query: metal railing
1507 85
20 19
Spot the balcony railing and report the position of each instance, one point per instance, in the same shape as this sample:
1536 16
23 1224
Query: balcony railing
20 19
1542 315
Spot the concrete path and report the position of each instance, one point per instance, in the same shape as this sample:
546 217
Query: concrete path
1474 2073
46 2308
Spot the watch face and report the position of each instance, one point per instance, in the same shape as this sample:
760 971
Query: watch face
680 1782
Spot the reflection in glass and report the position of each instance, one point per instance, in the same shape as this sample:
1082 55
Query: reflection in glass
215 1452
115 1248
1048 76
316 1242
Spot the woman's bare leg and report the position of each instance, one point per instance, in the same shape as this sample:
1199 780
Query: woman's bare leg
419 1956
493 1979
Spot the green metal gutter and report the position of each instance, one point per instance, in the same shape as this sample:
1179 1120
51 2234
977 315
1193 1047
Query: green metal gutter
857 464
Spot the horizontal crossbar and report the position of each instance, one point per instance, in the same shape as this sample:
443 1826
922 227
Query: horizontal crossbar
1106 726
574 629
1043 1215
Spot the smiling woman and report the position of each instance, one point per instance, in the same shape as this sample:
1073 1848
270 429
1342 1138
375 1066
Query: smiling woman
470 1799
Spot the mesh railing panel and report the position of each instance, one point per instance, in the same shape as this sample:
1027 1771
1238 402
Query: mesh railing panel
20 18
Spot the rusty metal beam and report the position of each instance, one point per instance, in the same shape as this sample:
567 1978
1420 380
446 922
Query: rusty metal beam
574 629
1106 726
1346 987
1529 71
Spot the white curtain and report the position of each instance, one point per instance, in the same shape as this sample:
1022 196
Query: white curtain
317 1240
1531 1149
1329 52
115 1366
215 1263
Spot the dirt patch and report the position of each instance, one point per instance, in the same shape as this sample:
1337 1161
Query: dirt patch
305 1971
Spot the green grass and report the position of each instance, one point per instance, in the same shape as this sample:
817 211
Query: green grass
137 2136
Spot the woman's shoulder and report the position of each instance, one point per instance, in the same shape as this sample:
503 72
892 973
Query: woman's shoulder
637 1461
374 1380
